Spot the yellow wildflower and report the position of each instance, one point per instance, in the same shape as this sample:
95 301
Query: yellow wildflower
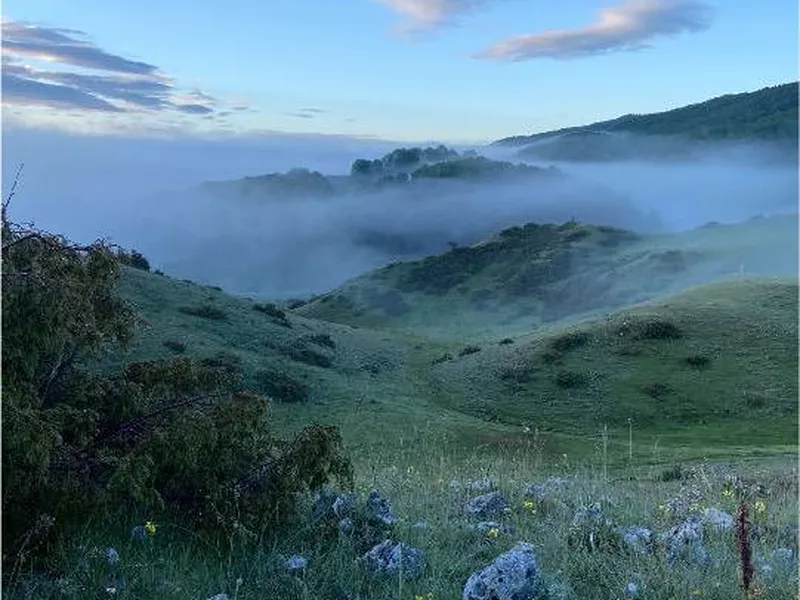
697 593
493 532
760 506
727 491
529 505
150 528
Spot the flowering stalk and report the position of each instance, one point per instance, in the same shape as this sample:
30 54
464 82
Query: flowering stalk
745 552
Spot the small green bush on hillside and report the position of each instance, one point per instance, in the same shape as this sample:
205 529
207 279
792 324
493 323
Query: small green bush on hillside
205 311
281 386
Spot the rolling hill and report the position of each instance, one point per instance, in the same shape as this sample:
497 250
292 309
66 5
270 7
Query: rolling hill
766 119
718 359
528 276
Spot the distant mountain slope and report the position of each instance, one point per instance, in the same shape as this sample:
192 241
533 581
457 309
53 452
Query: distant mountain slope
528 276
767 114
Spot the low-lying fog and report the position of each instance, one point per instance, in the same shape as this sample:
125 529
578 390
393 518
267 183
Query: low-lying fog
90 187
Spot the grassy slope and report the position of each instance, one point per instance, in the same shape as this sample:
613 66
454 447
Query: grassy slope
769 113
385 393
528 276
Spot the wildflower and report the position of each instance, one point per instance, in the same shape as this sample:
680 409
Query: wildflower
493 532
150 528
727 491
760 506
697 593
529 505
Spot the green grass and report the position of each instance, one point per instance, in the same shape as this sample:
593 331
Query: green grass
707 376
176 564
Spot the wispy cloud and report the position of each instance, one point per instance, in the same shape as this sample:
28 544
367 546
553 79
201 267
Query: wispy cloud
306 113
628 26
426 14
82 77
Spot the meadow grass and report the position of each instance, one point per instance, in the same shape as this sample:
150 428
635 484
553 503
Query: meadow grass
426 485
413 425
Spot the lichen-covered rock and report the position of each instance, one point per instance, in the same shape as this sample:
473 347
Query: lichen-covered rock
389 557
719 518
486 506
379 508
296 563
638 539
513 575
685 541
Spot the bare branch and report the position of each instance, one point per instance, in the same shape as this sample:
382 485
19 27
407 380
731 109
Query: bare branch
14 187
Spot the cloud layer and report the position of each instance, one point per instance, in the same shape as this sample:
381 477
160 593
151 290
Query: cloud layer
425 14
85 77
628 26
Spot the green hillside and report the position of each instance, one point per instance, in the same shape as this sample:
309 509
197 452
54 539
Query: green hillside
720 357
527 276
766 114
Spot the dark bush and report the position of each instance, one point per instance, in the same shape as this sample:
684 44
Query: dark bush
295 303
322 339
698 361
469 350
206 311
224 360
672 474
443 358
272 310
308 356
649 328
162 435
133 259
550 356
176 346
506 341
281 386
570 379
569 341
657 390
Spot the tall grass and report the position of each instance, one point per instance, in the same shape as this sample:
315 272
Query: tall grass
427 485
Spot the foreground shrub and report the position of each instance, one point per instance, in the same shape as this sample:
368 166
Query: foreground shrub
173 435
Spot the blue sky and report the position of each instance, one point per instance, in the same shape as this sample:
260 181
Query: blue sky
448 70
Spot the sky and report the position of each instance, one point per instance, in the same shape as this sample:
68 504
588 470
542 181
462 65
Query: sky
457 71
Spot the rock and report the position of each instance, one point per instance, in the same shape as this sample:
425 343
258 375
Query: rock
219 597
323 503
784 555
722 520
512 576
379 508
685 541
486 506
483 484
638 539
296 563
389 557
344 505
346 526
112 556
